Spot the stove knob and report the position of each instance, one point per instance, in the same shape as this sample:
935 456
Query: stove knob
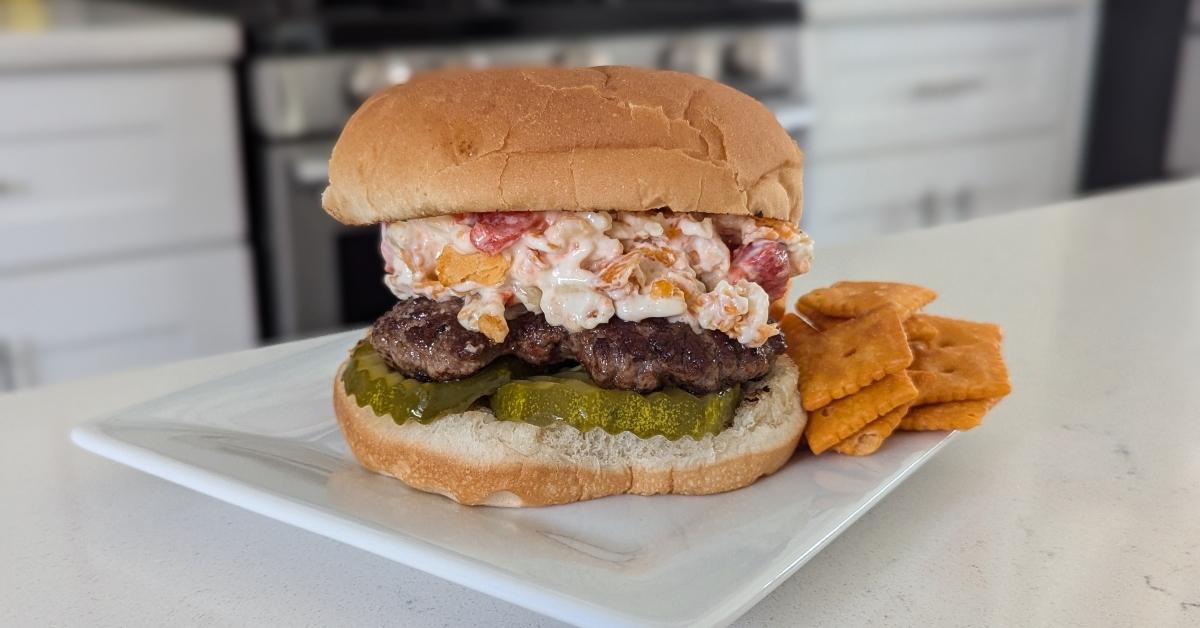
582 57
695 56
372 75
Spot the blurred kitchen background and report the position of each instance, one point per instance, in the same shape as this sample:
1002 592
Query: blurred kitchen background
161 162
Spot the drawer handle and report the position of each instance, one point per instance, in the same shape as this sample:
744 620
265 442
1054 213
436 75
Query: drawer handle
8 366
942 90
927 206
964 201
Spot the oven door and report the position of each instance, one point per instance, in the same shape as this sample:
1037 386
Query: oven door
324 276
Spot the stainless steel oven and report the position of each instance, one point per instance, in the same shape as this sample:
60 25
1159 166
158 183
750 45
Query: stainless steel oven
324 275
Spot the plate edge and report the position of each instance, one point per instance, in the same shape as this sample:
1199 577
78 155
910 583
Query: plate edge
463 570
726 614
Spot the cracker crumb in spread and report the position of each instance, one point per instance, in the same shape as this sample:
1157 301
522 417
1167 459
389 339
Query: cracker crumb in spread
580 269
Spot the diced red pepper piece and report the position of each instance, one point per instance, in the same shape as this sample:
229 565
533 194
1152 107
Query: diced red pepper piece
494 232
764 262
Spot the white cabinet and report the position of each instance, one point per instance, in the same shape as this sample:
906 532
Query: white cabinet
116 161
122 224
102 317
869 196
943 115
902 83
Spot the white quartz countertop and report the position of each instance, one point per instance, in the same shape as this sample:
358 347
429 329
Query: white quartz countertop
66 34
1076 504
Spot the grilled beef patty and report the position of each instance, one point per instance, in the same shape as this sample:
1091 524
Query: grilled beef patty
422 339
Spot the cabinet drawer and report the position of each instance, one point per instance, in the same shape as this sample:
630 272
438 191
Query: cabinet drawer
853 198
919 82
100 163
69 323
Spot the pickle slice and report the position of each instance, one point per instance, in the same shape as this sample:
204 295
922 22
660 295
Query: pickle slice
374 383
573 398
569 396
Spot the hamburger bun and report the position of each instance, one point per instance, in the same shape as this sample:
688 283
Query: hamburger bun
587 139
476 459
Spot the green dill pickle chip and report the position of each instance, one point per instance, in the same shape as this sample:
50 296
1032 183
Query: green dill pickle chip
569 396
374 384
574 399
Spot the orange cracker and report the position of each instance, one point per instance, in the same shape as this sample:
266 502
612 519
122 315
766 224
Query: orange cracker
955 415
777 309
454 267
940 331
959 373
869 439
801 337
841 361
842 418
803 341
919 328
927 386
818 320
494 327
850 299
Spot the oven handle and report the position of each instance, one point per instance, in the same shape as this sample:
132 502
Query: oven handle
311 171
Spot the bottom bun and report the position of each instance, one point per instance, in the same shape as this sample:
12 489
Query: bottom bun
473 458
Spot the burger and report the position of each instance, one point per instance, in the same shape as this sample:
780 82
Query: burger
584 262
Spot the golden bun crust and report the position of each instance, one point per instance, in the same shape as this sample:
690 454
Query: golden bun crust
475 459
587 139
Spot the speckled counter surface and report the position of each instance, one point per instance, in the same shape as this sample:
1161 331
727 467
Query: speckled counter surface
1077 503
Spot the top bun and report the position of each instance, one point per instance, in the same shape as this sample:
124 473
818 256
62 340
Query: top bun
588 139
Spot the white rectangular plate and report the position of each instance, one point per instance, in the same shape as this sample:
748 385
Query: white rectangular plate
265 439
